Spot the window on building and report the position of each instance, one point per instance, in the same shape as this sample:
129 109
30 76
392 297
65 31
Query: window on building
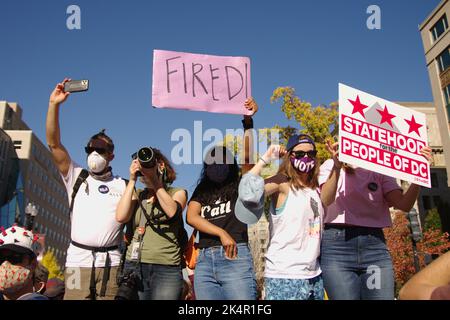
447 101
439 28
444 60
17 144
436 201
434 180
426 200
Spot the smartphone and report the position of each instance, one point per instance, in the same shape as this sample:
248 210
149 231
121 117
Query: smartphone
76 86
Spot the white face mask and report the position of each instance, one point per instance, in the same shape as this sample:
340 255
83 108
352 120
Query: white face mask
96 163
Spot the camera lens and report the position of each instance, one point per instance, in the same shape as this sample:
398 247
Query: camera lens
146 157
145 154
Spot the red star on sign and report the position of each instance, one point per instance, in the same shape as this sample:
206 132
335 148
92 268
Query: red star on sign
413 126
386 116
358 106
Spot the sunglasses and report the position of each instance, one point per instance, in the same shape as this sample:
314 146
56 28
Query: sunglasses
102 151
301 154
98 145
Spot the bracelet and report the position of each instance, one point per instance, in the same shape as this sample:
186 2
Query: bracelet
265 163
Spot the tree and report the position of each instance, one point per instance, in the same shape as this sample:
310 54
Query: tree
320 122
432 220
49 261
398 239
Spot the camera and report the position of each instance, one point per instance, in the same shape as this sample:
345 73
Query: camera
128 286
146 157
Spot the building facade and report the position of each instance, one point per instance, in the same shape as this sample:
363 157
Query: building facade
11 183
42 184
439 192
436 42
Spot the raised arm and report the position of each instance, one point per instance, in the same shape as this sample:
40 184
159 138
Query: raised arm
272 183
251 105
60 155
329 188
405 201
128 202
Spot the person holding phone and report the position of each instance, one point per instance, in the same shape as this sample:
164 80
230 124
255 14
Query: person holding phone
93 196
224 269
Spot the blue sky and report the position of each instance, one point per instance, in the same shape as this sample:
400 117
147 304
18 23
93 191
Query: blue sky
309 45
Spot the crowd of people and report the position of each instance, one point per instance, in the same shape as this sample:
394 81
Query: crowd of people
325 224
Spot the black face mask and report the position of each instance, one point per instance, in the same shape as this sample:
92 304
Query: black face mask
217 172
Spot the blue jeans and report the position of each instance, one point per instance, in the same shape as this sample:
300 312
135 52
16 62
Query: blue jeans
294 289
158 282
218 278
356 264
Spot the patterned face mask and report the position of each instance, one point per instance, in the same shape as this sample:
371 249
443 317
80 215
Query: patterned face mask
14 278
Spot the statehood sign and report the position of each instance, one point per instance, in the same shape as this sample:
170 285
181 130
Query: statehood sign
382 136
200 82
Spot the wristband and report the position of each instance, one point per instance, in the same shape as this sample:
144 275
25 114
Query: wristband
247 123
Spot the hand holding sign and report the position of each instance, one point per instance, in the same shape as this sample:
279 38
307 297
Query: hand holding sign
426 152
333 148
251 105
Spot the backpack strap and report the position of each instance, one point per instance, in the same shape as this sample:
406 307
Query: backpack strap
81 178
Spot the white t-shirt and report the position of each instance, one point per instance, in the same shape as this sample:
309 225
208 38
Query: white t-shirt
295 234
93 219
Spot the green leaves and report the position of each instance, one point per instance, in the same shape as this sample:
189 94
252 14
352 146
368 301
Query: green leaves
320 122
54 270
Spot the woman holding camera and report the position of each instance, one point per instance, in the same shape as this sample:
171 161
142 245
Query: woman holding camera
224 268
154 255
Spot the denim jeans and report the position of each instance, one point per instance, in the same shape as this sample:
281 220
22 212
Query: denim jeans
356 264
219 278
294 289
158 282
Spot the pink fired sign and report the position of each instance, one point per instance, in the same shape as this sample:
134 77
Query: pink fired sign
200 82
382 136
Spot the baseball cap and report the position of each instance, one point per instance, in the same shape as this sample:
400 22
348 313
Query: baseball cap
19 239
250 203
298 139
